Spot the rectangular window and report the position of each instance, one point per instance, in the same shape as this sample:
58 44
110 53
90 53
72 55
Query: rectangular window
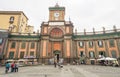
13 45
32 53
113 54
81 53
90 44
91 54
81 44
22 55
100 43
102 54
32 45
111 43
11 55
23 45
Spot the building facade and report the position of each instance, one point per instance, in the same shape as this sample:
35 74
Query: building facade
57 38
14 21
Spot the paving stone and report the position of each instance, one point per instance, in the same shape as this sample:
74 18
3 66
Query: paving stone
66 71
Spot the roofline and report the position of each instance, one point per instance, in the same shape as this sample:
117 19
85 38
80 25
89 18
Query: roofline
56 8
13 12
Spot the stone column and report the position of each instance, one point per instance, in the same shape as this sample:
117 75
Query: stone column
118 46
6 48
17 49
96 52
76 49
27 51
86 51
37 51
106 48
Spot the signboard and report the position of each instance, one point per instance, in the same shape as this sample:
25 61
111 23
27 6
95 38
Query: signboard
56 23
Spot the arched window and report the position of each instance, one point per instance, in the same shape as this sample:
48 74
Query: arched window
56 32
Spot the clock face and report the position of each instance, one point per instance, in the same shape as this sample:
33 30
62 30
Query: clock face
56 14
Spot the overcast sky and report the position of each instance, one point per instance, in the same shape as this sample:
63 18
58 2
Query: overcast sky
85 14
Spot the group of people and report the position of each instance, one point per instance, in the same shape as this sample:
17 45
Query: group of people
13 66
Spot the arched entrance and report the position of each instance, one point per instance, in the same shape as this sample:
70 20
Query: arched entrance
56 42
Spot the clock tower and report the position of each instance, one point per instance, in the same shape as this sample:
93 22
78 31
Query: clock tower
56 13
56 36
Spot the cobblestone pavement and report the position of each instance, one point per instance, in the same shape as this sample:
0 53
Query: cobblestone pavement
66 71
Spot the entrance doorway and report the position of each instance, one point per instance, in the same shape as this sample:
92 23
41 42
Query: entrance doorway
57 54
57 57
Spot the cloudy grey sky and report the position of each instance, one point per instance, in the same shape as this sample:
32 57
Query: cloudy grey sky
83 13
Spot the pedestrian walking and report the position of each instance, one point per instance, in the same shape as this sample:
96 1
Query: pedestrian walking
55 61
13 67
16 67
7 66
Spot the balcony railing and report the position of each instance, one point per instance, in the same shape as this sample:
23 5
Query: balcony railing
96 32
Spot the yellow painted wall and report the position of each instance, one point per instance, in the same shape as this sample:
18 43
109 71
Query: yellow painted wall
20 20
23 23
4 21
